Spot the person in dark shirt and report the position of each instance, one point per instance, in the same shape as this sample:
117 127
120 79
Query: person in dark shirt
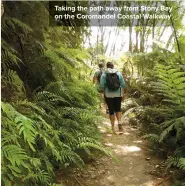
98 73
96 80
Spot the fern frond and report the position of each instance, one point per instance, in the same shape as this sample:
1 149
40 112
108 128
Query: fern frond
9 138
172 161
35 162
170 125
13 23
54 184
181 164
6 181
38 177
91 143
9 56
24 124
48 165
51 97
176 162
71 157
25 127
171 84
16 155
166 132
152 137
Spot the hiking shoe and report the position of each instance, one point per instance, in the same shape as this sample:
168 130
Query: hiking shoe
120 127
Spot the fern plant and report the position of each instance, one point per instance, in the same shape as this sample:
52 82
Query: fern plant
60 117
171 88
166 116
44 138
170 85
178 159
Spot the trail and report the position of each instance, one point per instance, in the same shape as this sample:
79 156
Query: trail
136 166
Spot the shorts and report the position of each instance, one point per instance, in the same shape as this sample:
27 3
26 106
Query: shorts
114 104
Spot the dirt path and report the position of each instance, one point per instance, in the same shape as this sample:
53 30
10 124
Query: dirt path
136 166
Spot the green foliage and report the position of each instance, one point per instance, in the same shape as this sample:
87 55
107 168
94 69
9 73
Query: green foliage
179 183
177 124
177 162
181 164
45 65
18 148
171 84
9 55
13 23
44 137
162 118
170 87
49 132
81 96
152 137
49 108
28 45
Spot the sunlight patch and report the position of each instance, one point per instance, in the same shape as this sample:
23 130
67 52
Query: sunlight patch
103 131
149 183
109 144
108 135
126 133
131 148
110 178
126 149
138 141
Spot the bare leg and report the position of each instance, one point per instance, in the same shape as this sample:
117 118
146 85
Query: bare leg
112 120
106 108
118 116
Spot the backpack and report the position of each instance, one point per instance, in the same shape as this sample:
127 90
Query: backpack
112 81
99 75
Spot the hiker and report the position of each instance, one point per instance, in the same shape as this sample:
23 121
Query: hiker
96 80
98 73
113 83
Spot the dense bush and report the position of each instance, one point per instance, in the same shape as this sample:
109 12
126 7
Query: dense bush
38 136
160 113
49 106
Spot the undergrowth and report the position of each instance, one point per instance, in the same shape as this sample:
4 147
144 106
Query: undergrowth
158 109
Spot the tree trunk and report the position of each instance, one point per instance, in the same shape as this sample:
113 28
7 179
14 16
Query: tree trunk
153 31
137 41
2 9
142 40
97 42
102 39
175 32
130 38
